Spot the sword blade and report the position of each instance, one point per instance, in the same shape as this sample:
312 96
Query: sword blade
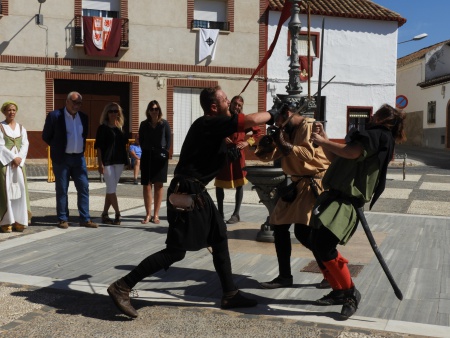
373 244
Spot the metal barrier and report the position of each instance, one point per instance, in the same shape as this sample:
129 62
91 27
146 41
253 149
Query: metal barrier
90 155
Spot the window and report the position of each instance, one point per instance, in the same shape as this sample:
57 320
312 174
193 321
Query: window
358 117
431 112
212 14
314 48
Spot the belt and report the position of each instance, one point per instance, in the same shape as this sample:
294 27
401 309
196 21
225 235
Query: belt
73 154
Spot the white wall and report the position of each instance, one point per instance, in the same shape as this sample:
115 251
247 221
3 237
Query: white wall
361 53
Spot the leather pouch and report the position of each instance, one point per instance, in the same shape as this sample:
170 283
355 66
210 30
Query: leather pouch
182 202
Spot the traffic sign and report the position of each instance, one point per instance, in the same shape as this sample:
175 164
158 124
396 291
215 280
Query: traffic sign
401 101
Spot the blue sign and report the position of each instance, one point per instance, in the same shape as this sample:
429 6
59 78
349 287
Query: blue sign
401 102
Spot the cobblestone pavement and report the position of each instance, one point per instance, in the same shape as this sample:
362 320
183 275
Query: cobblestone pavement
31 311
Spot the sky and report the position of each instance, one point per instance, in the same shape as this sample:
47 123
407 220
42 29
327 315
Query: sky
423 16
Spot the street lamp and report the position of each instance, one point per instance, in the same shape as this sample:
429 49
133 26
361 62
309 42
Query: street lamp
417 37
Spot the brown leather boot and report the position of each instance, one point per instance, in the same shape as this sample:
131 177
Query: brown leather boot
120 294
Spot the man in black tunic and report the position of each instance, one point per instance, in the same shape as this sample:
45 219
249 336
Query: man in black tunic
202 155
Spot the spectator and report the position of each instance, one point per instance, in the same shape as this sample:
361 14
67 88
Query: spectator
154 137
232 174
15 211
65 131
111 144
135 156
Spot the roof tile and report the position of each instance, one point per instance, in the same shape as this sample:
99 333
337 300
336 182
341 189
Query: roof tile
359 9
420 54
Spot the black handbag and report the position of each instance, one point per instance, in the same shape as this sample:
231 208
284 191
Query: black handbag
288 193
233 153
160 153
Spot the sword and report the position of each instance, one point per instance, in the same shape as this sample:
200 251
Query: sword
373 244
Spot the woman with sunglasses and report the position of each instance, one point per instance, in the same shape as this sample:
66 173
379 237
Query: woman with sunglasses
154 136
111 141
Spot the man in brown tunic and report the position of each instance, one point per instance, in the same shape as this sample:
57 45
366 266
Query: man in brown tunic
306 165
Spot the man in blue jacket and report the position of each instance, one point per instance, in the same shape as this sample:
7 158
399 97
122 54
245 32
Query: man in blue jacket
65 131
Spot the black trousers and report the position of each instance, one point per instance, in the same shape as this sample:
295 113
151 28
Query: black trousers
304 235
165 258
323 244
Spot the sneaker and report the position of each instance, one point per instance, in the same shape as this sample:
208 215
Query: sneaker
120 294
279 282
89 224
234 219
352 297
135 182
237 300
63 224
324 284
335 297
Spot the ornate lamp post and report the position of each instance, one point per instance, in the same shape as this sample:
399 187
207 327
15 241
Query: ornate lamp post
264 178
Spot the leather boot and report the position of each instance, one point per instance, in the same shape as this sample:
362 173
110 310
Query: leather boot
120 294
352 297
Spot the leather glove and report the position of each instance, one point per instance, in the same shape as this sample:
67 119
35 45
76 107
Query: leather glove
275 110
283 145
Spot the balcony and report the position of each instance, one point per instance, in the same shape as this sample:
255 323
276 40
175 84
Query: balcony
124 42
223 26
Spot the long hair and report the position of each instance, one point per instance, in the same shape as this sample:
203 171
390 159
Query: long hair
104 118
147 111
393 119
208 97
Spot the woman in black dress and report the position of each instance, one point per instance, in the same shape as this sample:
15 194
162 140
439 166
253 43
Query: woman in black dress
154 136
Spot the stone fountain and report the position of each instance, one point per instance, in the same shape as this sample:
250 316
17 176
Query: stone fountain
267 180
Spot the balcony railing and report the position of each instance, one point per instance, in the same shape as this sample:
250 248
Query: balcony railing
223 26
78 20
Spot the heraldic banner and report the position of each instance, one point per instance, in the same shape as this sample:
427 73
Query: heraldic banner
101 36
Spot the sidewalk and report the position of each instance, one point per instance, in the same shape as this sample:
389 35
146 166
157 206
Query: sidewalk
53 281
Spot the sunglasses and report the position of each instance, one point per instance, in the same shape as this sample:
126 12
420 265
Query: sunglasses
113 111
154 109
76 101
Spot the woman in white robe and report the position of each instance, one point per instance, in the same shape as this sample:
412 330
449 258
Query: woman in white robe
14 200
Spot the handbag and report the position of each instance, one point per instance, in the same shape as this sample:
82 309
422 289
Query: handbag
288 193
160 153
233 153
14 188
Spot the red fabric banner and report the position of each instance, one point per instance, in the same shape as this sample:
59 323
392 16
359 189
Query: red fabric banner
101 36
285 14
304 72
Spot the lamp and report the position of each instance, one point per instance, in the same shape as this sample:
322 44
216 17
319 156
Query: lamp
39 17
417 37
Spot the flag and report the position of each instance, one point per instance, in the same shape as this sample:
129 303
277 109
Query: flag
207 43
285 14
101 36
304 72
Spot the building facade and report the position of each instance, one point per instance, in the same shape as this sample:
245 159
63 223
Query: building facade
422 81
43 57
359 51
